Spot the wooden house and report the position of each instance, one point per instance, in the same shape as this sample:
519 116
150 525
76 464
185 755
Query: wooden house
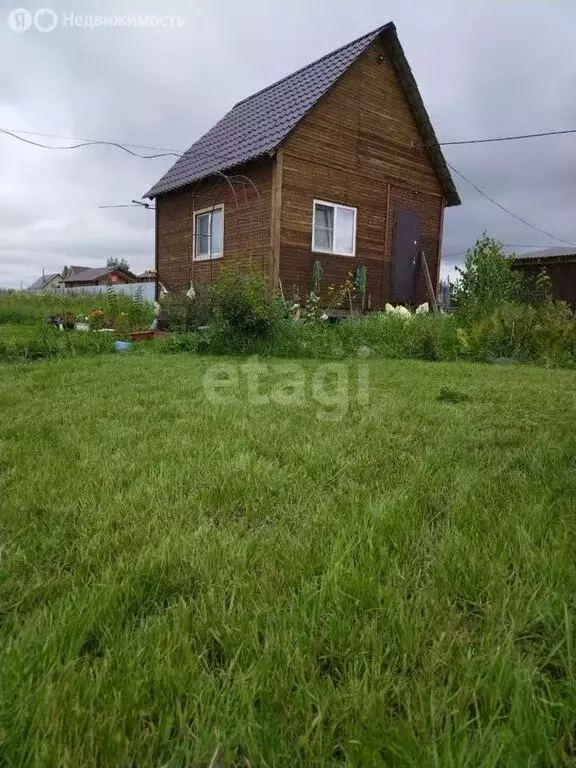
51 283
333 170
85 277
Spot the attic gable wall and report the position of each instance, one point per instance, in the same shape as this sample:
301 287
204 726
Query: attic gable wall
365 125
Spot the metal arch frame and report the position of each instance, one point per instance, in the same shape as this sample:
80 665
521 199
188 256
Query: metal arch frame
234 182
261 207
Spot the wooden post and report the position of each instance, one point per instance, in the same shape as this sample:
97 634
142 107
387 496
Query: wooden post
276 219
385 255
429 286
439 256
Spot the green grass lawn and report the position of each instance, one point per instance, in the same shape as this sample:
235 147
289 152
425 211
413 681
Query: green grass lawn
196 584
11 332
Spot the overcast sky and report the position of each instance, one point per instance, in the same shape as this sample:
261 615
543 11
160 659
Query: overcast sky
486 68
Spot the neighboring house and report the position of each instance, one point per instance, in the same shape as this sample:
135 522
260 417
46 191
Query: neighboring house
47 284
560 266
89 276
341 169
147 277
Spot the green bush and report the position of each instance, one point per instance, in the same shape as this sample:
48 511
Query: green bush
181 342
182 314
537 290
133 313
487 280
246 315
544 334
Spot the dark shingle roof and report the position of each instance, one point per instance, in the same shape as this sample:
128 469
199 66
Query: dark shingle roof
258 124
547 253
93 273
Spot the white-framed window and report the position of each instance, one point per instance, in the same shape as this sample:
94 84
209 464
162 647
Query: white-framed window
209 233
334 228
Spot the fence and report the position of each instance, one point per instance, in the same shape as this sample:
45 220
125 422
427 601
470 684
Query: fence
145 290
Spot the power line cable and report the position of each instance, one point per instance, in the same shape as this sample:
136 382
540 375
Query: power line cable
171 149
506 210
91 144
96 142
84 138
506 138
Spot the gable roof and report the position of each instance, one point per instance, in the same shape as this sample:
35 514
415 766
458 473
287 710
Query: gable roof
546 253
37 285
258 125
94 273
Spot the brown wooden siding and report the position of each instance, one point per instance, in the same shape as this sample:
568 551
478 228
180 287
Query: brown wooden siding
357 143
246 228
562 273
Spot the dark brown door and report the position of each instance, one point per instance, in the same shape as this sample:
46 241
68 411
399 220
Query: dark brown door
405 249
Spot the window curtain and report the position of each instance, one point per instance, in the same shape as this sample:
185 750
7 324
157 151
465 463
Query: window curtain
324 228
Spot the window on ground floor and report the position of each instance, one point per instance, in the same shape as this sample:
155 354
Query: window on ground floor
209 233
334 228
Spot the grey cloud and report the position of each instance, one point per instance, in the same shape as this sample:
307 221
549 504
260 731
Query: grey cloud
483 68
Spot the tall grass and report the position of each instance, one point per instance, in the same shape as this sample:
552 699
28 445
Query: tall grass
28 343
242 321
188 584
23 308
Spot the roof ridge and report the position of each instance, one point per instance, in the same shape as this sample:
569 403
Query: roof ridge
259 123
390 24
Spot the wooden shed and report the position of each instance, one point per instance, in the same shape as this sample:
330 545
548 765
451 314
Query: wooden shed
333 169
560 266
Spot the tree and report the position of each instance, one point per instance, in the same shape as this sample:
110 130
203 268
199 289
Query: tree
487 280
114 261
66 272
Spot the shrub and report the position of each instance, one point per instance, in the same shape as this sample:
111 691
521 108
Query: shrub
245 313
98 319
544 333
181 342
181 314
487 280
537 290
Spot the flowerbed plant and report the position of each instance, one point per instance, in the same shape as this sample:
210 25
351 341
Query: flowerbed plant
98 320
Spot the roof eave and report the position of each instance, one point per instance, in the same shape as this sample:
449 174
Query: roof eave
410 87
537 260
151 194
